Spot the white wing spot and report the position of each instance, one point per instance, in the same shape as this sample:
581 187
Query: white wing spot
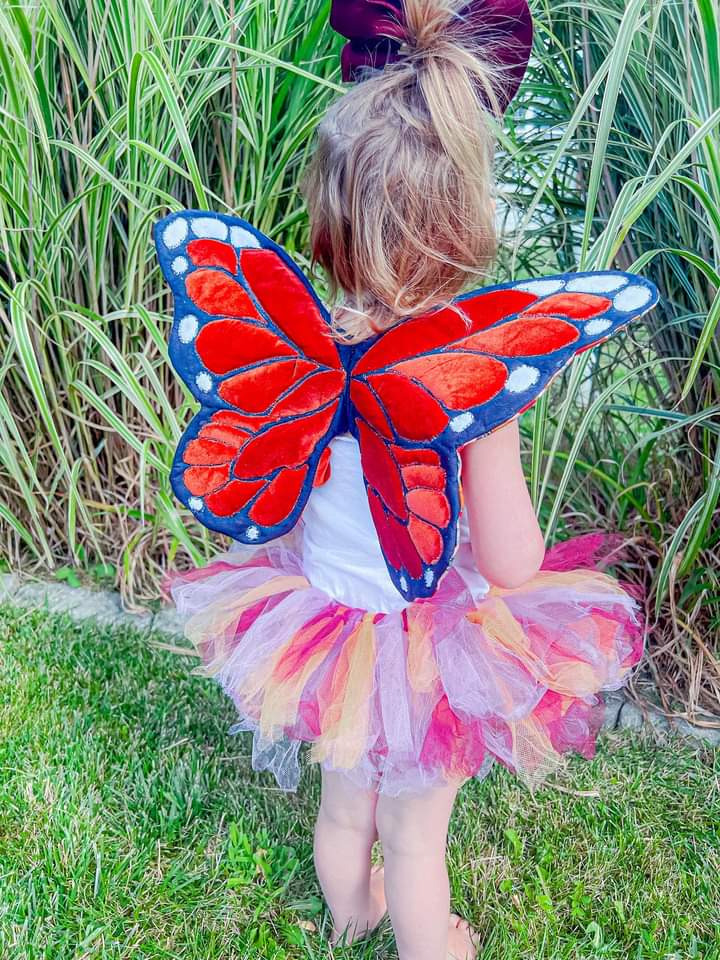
239 237
429 577
187 328
209 227
179 265
195 504
597 326
522 378
541 288
174 233
632 298
597 283
252 533
403 584
204 382
461 422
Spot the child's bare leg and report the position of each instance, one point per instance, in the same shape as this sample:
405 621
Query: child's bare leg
344 835
413 833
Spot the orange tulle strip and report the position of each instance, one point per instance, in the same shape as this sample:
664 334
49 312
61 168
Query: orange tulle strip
219 620
286 675
345 719
570 580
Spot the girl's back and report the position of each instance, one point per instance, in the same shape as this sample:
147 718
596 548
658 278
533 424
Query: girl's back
340 548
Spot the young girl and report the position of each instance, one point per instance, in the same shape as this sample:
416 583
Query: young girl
313 634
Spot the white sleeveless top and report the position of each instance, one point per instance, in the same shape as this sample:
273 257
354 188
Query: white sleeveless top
341 553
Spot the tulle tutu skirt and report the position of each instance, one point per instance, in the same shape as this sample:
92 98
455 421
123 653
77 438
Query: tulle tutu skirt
437 691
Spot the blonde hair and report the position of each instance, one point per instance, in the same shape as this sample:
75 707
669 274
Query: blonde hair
400 186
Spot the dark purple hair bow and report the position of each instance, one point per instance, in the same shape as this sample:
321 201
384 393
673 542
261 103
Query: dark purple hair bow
501 29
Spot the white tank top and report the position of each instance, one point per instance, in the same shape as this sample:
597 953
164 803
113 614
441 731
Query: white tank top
341 553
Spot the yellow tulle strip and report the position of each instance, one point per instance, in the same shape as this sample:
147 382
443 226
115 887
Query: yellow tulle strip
572 676
345 721
422 670
533 755
284 685
220 619
571 579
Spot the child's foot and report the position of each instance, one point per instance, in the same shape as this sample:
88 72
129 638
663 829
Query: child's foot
374 913
462 939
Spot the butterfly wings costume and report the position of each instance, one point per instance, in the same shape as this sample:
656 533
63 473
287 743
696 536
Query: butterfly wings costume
253 342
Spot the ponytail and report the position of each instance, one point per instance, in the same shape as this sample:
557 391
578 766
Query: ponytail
400 185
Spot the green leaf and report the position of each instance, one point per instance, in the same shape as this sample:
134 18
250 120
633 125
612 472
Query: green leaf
68 575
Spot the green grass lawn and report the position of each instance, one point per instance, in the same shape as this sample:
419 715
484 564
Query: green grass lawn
131 825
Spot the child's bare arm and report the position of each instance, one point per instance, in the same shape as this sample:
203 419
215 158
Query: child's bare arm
506 539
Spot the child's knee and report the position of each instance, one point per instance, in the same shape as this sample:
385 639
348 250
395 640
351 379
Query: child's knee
357 818
416 825
344 807
403 834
